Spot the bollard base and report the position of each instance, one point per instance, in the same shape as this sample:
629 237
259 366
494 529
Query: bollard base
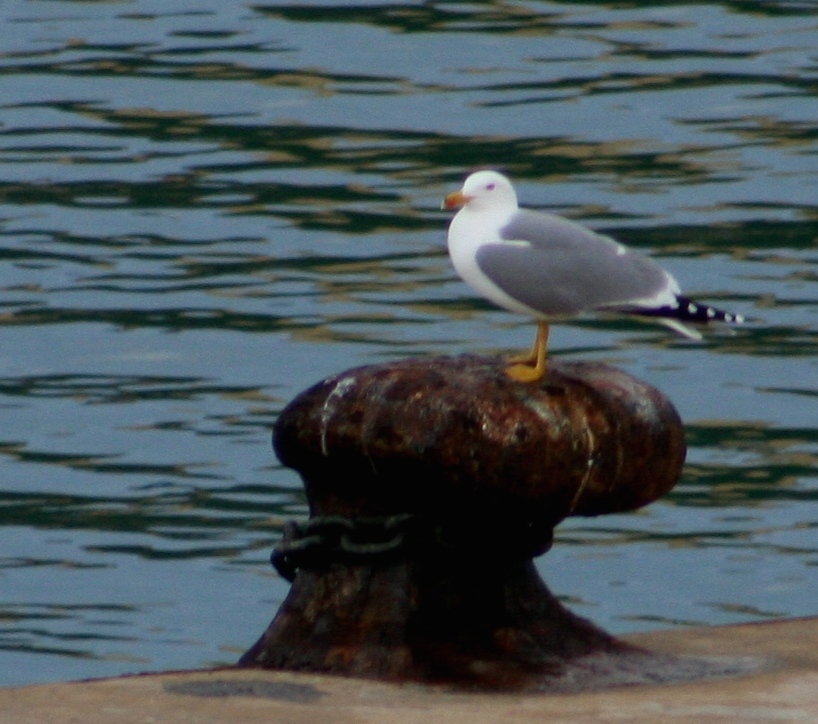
441 624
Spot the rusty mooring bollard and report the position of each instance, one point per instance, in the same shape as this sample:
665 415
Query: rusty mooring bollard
432 485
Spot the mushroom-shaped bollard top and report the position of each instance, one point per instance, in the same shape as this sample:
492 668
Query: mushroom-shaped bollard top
445 478
456 435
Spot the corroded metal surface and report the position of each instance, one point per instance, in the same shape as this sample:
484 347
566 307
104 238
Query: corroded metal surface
445 433
478 470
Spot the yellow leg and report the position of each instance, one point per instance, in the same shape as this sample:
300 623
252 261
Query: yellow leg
529 358
532 368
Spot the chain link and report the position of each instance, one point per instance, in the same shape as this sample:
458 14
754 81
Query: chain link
334 538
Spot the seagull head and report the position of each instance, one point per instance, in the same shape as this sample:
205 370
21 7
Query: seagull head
483 190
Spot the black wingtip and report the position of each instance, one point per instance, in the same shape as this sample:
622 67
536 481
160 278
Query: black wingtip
686 310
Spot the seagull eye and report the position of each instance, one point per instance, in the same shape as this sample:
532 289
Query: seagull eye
489 187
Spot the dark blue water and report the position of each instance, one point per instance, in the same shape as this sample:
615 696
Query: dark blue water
206 207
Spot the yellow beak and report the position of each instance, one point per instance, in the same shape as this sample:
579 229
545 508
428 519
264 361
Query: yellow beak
455 200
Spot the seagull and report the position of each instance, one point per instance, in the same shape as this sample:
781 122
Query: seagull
550 268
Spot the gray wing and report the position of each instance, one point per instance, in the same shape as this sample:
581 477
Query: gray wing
562 268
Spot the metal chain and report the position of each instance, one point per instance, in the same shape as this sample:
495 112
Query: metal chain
327 539
334 538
